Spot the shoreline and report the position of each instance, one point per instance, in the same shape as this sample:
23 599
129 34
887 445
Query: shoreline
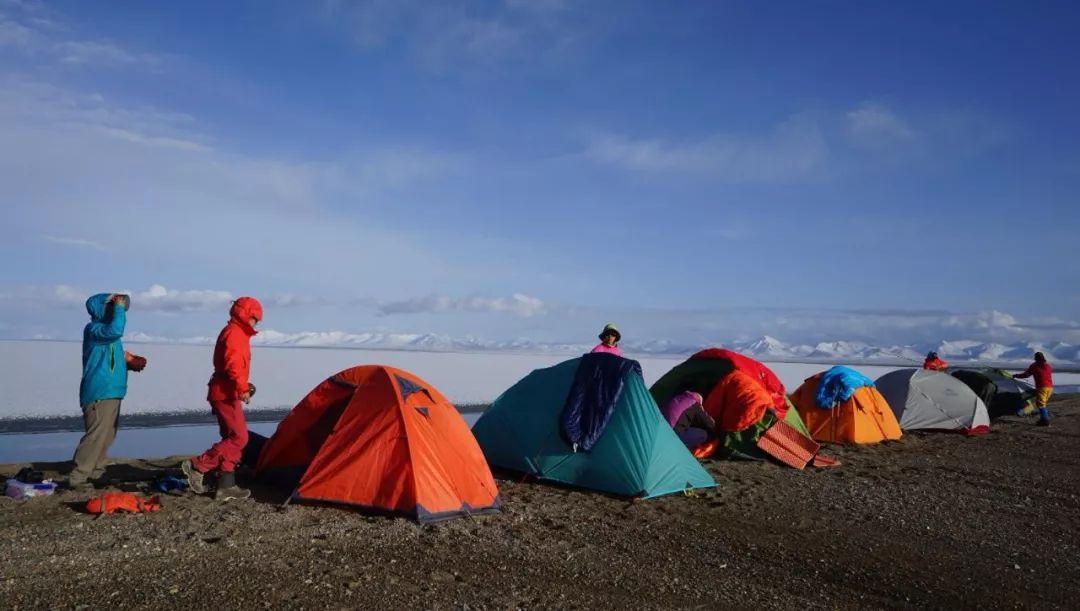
31 425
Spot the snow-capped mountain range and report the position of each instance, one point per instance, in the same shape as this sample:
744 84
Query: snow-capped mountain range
764 348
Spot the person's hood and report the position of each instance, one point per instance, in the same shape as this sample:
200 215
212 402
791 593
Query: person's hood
244 309
96 306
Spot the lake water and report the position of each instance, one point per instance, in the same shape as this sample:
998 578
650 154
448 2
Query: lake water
130 443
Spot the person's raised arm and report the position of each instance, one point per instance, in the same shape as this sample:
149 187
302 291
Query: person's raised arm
112 330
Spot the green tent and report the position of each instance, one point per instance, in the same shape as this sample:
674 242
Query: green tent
637 456
701 373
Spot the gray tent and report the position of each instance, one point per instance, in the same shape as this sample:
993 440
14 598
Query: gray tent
923 399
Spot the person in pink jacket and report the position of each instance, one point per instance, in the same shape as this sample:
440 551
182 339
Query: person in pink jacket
609 340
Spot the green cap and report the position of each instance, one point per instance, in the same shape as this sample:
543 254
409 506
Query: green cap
611 328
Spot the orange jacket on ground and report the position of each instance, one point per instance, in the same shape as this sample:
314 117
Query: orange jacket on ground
112 502
232 353
737 401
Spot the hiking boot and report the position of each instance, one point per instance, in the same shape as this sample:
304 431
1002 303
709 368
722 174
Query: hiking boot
194 477
232 493
1042 422
227 489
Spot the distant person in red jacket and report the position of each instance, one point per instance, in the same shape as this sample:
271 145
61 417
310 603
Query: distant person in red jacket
1044 386
229 390
933 363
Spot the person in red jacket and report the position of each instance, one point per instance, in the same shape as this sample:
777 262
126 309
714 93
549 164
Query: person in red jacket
933 363
1044 386
229 390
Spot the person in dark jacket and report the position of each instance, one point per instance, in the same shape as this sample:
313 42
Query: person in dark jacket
103 385
1044 386
229 389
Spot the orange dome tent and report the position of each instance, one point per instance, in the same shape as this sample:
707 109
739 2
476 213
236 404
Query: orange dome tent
383 439
863 418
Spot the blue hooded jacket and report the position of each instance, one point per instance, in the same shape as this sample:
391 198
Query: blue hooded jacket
104 369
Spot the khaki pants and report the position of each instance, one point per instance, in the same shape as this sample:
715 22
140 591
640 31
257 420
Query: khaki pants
100 418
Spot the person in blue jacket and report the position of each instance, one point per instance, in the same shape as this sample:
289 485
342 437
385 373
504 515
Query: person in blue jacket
104 384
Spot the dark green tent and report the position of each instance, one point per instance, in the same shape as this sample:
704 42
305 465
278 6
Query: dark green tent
1002 394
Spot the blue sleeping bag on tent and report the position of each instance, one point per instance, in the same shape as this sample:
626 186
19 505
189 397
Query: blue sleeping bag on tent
597 385
838 384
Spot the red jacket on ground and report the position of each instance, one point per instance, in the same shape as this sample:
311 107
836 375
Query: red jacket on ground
232 353
1043 373
935 365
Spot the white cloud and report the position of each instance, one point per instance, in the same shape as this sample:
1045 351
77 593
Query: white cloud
75 242
93 142
539 6
77 164
456 35
289 300
69 295
135 137
795 148
875 127
14 34
517 304
42 34
84 52
155 298
927 137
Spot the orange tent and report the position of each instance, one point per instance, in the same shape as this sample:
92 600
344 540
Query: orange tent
383 439
864 418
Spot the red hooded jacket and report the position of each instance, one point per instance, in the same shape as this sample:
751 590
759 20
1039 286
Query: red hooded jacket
232 353
1043 373
935 365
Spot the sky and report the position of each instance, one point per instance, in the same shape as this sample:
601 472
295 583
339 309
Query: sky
702 172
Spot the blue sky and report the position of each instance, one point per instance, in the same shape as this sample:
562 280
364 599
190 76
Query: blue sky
696 171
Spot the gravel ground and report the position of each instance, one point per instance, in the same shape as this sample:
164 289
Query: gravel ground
933 520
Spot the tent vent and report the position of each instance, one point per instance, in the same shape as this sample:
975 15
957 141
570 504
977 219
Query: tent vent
407 387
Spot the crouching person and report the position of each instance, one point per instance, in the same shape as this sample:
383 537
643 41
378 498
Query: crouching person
686 415
103 385
229 390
